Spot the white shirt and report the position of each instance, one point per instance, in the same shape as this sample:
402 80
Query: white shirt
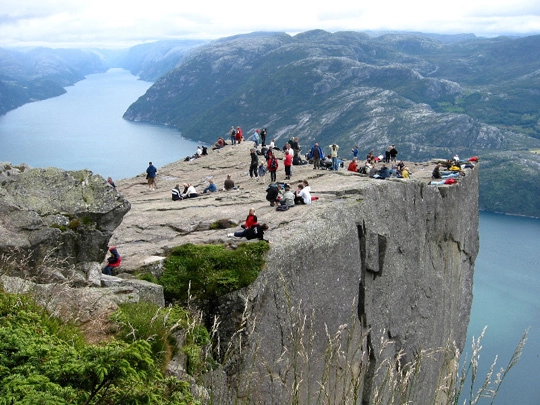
306 196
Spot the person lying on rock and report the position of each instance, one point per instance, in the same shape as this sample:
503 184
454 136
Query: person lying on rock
255 232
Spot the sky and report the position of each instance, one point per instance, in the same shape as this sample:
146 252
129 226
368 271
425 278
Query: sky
123 23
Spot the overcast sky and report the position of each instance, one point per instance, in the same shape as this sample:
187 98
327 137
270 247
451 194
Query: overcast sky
122 23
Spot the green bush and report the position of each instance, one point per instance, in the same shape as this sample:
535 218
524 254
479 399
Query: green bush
149 322
43 361
212 270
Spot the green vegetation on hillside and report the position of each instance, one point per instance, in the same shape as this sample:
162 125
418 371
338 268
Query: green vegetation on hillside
46 361
207 272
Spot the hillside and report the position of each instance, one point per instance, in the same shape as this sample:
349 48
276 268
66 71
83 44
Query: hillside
42 73
429 97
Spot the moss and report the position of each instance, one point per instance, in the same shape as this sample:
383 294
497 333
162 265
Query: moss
75 223
212 270
222 224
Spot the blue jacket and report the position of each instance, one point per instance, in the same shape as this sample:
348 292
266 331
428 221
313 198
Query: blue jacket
151 171
321 154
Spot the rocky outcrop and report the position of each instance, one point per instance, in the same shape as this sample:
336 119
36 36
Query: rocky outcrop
371 272
57 223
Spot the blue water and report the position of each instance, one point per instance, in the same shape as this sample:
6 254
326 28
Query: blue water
507 301
84 129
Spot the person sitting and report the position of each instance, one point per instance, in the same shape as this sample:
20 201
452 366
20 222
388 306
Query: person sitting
176 193
383 173
251 219
228 184
219 144
189 191
255 232
211 188
113 261
436 173
302 195
373 171
405 173
288 197
353 166
111 182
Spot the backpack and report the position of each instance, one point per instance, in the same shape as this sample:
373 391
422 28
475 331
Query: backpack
273 163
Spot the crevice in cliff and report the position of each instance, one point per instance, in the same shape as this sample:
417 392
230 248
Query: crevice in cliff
370 368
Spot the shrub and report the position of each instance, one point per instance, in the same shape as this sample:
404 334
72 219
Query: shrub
212 270
159 326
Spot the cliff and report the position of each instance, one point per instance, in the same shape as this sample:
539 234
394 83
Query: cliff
387 264
374 271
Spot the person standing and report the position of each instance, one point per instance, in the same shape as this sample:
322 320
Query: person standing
239 137
272 166
316 155
387 153
334 155
254 163
151 173
287 162
393 153
263 137
232 133
355 152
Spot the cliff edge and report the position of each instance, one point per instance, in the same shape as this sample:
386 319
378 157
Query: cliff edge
381 269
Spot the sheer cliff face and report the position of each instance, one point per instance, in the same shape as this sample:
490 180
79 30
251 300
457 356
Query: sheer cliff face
384 272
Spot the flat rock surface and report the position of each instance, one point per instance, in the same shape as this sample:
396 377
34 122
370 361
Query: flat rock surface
155 223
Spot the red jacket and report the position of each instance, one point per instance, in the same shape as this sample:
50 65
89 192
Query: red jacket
251 221
270 168
288 160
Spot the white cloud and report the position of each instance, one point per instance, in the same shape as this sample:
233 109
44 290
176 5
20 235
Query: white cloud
60 23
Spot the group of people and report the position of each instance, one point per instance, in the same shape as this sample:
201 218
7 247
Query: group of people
450 171
281 194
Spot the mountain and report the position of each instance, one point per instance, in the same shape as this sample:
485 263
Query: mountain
431 97
41 73
152 60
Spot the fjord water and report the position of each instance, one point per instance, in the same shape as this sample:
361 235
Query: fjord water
507 301
84 129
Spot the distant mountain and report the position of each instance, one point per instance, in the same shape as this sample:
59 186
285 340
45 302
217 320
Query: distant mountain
152 60
41 73
431 97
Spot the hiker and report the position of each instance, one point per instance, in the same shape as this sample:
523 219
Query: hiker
272 194
211 188
334 155
255 232
113 261
151 173
228 184
176 193
287 162
272 166
189 191
302 195
254 164
251 219
393 153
